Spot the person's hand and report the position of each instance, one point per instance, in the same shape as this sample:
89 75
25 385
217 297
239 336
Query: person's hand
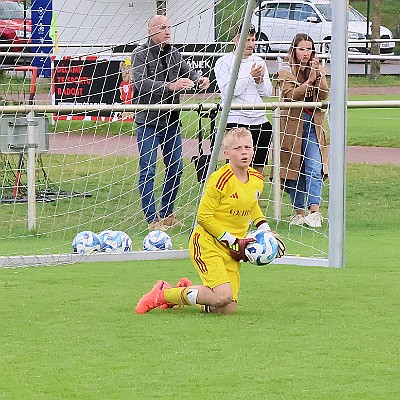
257 72
281 245
237 249
314 66
204 83
281 248
181 84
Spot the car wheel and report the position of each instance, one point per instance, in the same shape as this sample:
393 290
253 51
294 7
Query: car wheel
262 47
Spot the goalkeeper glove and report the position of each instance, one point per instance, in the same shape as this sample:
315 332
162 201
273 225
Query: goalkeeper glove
281 245
236 250
235 245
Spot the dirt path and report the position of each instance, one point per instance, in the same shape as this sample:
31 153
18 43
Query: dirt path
370 90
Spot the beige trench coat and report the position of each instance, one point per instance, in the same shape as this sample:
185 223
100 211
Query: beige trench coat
291 124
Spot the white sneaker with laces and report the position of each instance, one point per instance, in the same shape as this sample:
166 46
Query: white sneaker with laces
297 219
314 219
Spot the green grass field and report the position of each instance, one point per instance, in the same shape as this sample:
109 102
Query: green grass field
69 332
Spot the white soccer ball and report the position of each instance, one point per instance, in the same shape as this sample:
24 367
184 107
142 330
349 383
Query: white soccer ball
86 242
263 250
114 241
157 240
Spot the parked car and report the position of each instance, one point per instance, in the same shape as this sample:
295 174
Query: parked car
280 21
15 28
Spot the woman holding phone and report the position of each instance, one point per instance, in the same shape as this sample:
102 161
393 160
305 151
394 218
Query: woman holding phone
304 147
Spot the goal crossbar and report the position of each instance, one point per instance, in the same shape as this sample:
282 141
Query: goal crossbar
270 105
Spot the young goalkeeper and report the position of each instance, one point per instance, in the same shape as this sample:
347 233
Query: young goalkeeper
216 246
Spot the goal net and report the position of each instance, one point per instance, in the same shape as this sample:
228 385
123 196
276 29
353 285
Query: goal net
83 143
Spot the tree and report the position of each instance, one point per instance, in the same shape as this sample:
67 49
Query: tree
376 18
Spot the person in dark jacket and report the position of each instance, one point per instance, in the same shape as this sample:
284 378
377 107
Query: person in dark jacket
160 74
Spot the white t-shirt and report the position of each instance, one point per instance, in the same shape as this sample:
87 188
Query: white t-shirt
247 91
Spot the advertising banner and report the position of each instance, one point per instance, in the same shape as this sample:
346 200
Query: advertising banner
108 80
41 14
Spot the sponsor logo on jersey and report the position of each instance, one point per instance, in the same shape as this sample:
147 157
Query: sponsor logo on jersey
239 213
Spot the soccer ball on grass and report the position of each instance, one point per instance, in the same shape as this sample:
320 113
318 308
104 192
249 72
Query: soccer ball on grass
114 241
157 240
263 250
86 242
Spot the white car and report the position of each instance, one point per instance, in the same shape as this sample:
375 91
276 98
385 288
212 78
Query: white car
279 21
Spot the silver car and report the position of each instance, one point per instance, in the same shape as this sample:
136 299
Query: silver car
279 21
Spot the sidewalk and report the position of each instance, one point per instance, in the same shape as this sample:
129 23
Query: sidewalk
124 145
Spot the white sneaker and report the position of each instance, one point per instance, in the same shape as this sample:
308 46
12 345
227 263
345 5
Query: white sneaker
297 219
314 219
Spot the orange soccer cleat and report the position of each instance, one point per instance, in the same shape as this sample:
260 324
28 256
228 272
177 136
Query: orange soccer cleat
152 299
184 282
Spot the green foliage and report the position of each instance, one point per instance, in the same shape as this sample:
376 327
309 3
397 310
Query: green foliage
228 14
70 332
390 10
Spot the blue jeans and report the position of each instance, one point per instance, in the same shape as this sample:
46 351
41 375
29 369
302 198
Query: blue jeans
309 183
149 137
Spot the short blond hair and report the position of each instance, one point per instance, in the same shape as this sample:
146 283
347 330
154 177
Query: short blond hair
234 134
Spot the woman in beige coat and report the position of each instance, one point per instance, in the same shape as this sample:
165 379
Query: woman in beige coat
304 148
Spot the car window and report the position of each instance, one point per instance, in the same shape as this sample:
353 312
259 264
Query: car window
283 11
300 12
354 15
325 10
11 10
269 11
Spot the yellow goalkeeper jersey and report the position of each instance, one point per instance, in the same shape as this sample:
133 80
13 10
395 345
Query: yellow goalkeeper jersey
229 204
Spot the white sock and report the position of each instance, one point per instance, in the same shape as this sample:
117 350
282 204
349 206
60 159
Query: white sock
191 296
